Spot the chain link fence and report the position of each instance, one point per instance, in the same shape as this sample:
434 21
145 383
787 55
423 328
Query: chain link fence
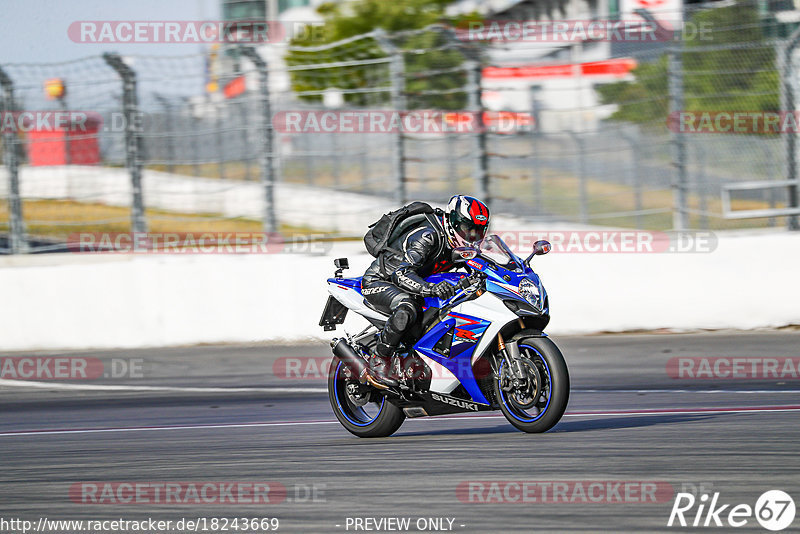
556 139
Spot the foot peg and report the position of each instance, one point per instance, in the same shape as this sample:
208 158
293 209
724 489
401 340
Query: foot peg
374 381
377 374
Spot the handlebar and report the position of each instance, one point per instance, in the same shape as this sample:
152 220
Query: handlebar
469 280
462 285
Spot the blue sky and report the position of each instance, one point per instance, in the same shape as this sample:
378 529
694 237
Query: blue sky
35 31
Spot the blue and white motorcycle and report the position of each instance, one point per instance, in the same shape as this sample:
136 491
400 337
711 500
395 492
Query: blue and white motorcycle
483 349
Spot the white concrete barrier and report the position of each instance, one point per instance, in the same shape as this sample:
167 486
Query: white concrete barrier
65 301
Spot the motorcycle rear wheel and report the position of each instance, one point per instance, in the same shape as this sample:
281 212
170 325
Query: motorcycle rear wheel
376 418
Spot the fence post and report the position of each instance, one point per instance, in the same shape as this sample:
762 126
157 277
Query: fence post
310 163
67 141
771 222
676 104
365 165
536 173
133 138
636 175
421 159
701 185
335 160
583 197
397 93
475 105
194 126
16 227
794 193
786 68
219 138
452 159
244 115
397 70
267 160
170 126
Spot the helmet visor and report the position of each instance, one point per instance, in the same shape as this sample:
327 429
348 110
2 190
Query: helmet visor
466 229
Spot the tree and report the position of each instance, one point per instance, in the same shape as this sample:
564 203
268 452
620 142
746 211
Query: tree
425 53
735 78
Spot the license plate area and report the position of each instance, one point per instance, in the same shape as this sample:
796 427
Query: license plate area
333 314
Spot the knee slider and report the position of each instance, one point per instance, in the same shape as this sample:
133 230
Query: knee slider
404 316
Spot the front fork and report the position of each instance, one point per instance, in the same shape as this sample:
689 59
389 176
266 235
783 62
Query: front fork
510 353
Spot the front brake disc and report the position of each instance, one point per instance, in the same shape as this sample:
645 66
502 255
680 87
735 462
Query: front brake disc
526 396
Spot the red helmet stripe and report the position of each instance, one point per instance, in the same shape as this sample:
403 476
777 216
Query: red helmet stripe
479 213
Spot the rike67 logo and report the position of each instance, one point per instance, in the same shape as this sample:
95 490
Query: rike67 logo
774 510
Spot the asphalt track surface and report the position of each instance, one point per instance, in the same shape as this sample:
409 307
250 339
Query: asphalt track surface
217 413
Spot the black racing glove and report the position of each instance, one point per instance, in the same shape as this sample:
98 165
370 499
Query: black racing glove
442 290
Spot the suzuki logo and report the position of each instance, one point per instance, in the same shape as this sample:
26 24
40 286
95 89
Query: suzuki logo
466 405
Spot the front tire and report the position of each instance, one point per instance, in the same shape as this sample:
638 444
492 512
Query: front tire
547 398
365 413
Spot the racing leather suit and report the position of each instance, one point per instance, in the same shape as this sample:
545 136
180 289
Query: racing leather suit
393 284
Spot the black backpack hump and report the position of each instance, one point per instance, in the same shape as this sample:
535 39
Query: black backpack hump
388 227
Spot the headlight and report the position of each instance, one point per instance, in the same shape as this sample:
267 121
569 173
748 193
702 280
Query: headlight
530 292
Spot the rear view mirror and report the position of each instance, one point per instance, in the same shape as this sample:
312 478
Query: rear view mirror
539 248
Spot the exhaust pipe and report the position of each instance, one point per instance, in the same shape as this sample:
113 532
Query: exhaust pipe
351 359
354 362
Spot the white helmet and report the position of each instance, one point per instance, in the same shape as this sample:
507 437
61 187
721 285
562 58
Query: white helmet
466 220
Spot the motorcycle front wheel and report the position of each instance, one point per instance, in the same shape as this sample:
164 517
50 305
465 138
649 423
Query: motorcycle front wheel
361 409
536 404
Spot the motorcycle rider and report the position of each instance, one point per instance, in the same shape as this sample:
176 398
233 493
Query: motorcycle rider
393 284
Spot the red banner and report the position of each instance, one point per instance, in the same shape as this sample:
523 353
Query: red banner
610 67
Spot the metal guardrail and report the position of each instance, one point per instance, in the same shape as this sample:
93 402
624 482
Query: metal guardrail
729 213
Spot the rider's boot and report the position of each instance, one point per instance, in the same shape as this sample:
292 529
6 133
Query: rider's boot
380 367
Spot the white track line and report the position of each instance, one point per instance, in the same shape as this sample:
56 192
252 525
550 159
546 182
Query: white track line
119 387
276 389
704 391
612 413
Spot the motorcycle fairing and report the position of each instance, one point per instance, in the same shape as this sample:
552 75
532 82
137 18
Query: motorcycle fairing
459 360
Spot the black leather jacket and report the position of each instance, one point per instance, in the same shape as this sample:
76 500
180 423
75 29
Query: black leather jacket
425 251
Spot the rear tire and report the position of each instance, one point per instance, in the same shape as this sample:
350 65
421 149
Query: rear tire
545 410
378 418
